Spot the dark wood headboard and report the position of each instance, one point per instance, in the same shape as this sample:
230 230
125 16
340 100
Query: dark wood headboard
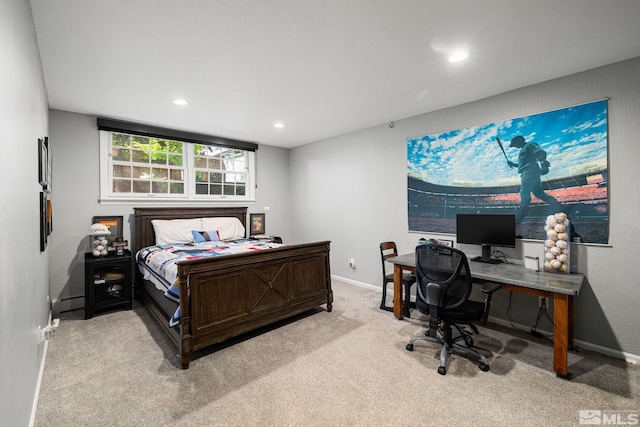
143 231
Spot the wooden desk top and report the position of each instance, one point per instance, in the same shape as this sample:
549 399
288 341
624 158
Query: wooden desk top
513 274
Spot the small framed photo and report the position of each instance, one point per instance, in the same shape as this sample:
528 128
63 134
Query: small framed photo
447 243
115 227
532 263
256 224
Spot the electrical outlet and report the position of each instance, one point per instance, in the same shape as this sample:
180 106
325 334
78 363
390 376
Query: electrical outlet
543 301
48 331
352 262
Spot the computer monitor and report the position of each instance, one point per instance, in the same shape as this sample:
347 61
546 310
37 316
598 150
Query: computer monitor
487 230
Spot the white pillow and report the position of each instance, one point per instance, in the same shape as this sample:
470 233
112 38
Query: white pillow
170 231
228 228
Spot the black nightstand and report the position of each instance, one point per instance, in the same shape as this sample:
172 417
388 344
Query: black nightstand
107 282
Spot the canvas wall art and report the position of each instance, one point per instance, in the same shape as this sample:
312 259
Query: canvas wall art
531 166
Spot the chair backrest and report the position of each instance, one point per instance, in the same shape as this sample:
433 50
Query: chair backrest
442 275
387 250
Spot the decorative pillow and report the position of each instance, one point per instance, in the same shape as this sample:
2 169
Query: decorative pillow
229 228
205 236
173 292
175 319
171 231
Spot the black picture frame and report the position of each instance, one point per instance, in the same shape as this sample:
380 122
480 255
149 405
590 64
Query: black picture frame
43 221
256 224
43 161
48 187
115 227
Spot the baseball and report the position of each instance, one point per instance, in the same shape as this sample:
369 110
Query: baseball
555 250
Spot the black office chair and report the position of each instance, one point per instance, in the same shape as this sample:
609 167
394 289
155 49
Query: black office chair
443 288
388 250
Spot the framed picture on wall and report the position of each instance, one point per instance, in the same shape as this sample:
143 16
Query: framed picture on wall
49 165
115 227
256 224
49 217
43 221
43 162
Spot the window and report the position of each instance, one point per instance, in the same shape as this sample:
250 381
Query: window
220 171
149 168
142 165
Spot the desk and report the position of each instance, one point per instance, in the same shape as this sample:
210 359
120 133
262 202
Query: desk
561 287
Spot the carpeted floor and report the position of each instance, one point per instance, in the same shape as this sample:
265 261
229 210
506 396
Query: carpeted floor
344 368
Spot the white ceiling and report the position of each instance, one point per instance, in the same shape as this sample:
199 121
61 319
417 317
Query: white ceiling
322 67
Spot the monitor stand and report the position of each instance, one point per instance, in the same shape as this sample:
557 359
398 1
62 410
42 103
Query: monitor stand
486 256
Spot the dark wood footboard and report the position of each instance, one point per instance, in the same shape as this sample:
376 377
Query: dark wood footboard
239 293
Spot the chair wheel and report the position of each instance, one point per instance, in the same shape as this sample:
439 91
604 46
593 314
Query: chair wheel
409 347
442 370
484 368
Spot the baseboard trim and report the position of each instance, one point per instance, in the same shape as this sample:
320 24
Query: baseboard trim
361 284
617 354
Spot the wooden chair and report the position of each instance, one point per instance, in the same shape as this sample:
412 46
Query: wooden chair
388 250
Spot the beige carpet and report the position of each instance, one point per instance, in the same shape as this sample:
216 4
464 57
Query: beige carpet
344 368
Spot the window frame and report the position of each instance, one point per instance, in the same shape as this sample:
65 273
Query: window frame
107 196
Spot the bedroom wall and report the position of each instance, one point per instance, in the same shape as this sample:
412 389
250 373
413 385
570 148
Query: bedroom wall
76 181
353 190
25 270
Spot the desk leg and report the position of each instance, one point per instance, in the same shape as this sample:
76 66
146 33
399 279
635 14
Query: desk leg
562 333
397 291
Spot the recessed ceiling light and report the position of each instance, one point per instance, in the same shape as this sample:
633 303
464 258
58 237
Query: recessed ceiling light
458 56
278 125
180 102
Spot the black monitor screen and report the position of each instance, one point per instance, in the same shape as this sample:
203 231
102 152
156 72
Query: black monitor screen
486 230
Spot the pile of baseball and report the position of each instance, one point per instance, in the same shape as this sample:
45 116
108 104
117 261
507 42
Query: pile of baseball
556 245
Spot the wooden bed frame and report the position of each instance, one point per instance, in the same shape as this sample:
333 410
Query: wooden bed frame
238 293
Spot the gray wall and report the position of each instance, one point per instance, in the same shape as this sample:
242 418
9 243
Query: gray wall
76 179
24 270
352 189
